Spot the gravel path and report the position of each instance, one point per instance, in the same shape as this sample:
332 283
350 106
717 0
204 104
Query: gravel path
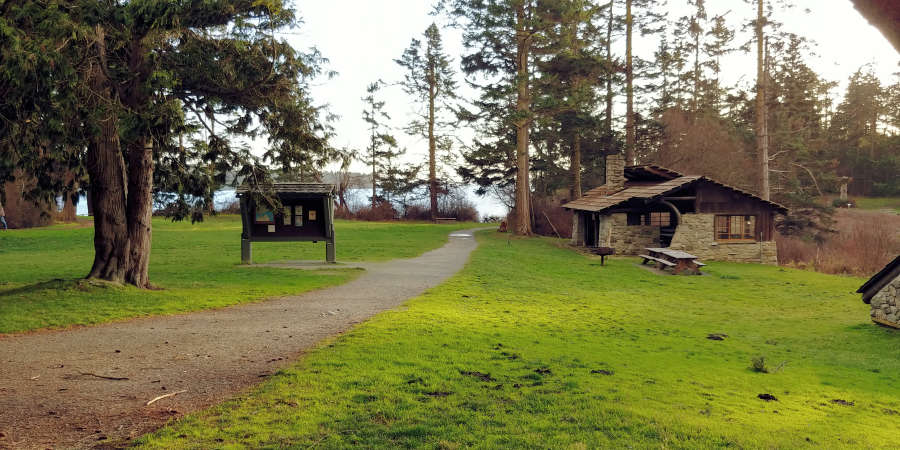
62 389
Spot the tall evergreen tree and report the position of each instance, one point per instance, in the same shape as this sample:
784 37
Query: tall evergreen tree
123 75
500 37
382 148
429 79
644 16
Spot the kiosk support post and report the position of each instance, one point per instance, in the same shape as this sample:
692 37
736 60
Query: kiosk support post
246 251
329 252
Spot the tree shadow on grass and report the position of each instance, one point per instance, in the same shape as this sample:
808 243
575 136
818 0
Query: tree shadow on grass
59 284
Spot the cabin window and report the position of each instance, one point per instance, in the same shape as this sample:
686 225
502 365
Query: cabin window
660 219
298 216
735 228
286 216
635 219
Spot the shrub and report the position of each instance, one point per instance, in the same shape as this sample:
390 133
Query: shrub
758 364
549 215
838 203
24 213
862 243
381 212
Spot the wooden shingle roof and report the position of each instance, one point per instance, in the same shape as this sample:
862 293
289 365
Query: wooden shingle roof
597 203
596 199
294 188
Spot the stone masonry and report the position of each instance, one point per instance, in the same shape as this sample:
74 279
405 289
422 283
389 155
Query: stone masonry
886 303
577 230
696 235
626 239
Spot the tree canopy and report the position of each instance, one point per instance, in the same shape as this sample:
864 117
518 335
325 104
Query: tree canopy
120 91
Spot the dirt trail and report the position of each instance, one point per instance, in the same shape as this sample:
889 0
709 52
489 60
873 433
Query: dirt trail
65 389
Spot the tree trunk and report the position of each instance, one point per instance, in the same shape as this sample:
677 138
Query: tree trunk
523 121
609 89
576 167
69 212
374 177
629 88
140 211
90 203
106 169
432 170
762 138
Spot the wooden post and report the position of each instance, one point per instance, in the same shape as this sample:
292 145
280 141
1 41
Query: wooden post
246 231
329 251
329 229
246 251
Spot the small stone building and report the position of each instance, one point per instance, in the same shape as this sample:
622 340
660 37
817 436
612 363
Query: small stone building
651 206
882 291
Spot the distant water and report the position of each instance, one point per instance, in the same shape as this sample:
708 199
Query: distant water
487 206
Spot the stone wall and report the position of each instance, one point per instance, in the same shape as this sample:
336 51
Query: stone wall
627 240
577 228
615 172
886 303
696 235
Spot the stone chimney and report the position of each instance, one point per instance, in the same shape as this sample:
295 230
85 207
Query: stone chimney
615 172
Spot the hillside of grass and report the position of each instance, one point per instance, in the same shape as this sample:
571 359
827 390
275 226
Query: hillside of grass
196 267
535 346
878 203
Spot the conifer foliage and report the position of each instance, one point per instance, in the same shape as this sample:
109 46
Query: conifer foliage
111 89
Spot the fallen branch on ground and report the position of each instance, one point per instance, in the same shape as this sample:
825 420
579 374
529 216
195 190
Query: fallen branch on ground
103 376
165 396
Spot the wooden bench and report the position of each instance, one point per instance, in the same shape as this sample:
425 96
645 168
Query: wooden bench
698 263
648 258
444 219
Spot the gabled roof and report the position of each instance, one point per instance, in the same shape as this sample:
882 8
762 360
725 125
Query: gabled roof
294 188
596 199
596 203
650 172
871 287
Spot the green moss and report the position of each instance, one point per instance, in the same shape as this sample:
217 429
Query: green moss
197 267
534 346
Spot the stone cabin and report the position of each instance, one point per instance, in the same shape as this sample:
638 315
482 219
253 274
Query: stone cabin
882 291
651 206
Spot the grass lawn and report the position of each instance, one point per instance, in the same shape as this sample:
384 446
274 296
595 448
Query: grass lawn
889 203
195 265
534 346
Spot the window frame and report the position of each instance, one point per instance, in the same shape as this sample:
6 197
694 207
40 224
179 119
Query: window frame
654 219
741 221
298 221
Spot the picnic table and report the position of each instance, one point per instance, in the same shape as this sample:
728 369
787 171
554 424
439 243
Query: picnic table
677 260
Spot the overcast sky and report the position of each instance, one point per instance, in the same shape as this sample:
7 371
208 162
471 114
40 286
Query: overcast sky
361 38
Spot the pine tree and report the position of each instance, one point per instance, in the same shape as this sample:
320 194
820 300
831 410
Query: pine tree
125 76
382 144
642 15
500 37
429 79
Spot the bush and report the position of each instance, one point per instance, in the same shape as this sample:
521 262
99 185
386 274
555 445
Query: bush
861 244
758 364
838 203
381 212
549 215
23 213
